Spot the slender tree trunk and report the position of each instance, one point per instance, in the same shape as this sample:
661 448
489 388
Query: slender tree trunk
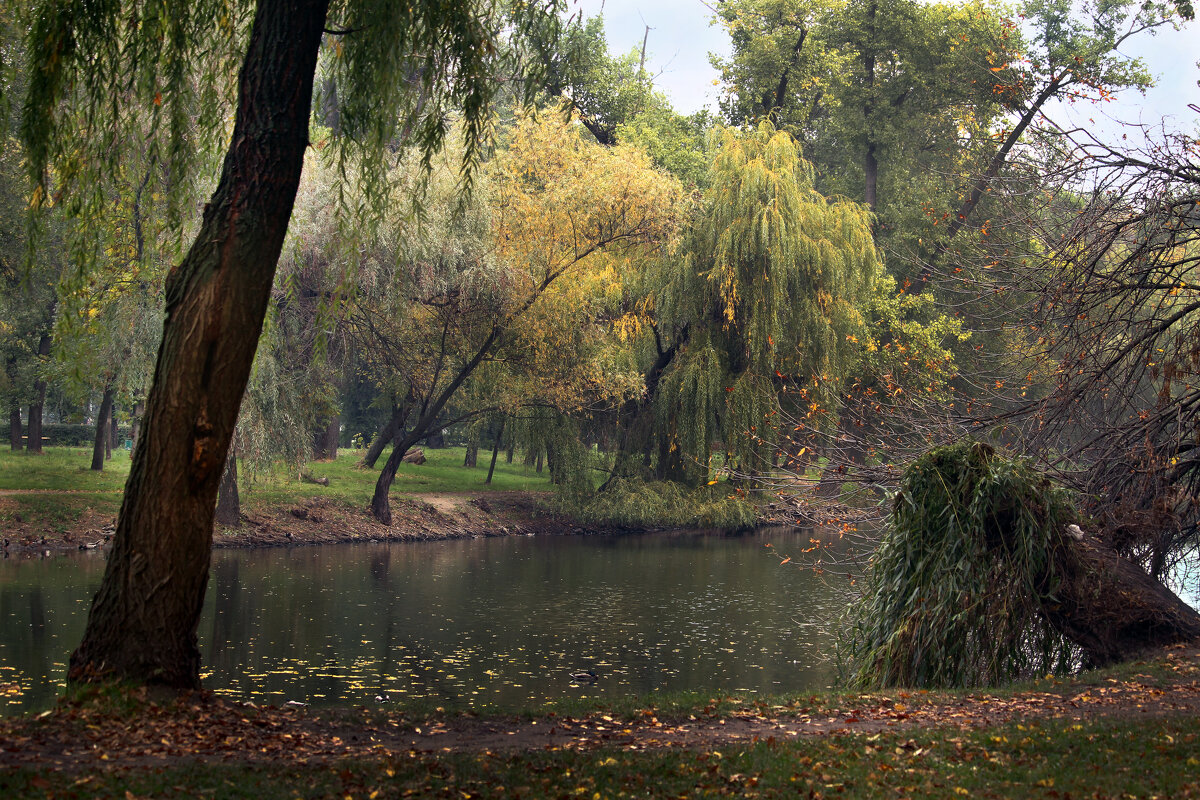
111 443
142 625
508 455
102 428
471 458
39 399
539 463
496 450
14 426
870 161
135 423
229 503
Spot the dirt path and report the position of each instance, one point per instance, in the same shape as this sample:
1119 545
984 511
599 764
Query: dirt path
78 737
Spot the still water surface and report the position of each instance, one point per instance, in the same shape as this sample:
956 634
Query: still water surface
471 622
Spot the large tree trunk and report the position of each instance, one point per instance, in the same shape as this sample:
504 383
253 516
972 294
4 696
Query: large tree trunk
142 625
325 443
39 399
1111 608
229 503
14 426
471 457
102 416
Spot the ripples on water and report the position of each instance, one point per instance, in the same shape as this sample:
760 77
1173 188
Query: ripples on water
470 623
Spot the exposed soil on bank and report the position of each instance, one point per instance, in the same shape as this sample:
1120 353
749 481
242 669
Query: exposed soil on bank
139 732
317 520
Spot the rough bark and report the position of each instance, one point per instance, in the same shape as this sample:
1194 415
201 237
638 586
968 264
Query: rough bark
102 433
111 444
229 503
471 458
1112 609
142 625
39 399
14 426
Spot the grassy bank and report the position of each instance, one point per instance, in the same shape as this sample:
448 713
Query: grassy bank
1133 731
57 492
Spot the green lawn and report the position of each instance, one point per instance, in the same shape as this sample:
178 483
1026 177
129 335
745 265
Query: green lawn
62 469
76 491
353 485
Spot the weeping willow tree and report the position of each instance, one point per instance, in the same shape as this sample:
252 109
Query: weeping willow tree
985 577
392 71
770 287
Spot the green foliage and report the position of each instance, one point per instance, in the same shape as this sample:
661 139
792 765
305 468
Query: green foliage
665 504
955 592
675 143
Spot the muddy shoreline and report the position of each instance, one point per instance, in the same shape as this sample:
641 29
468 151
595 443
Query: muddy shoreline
418 517
316 520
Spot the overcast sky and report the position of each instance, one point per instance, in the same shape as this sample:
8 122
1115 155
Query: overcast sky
681 38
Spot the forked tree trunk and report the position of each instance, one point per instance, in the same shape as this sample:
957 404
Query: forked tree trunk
98 448
142 625
39 400
471 458
381 506
392 433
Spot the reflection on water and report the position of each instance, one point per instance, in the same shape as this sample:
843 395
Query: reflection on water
470 622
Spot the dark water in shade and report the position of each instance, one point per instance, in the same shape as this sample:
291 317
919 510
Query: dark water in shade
472 622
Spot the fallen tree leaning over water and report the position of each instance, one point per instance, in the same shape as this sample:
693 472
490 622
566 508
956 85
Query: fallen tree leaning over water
984 576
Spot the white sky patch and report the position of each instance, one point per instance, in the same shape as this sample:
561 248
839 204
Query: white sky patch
681 38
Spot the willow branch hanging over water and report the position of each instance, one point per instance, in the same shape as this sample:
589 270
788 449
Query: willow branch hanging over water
984 577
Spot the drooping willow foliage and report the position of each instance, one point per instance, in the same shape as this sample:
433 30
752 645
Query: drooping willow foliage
956 593
770 287
106 81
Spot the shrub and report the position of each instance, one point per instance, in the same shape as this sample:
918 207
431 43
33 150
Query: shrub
954 594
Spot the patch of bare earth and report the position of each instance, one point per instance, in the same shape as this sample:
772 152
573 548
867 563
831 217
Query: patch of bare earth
79 737
317 520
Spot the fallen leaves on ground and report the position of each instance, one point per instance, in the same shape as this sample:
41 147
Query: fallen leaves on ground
143 732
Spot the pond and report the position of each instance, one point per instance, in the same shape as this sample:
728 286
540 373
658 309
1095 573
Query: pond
472 623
